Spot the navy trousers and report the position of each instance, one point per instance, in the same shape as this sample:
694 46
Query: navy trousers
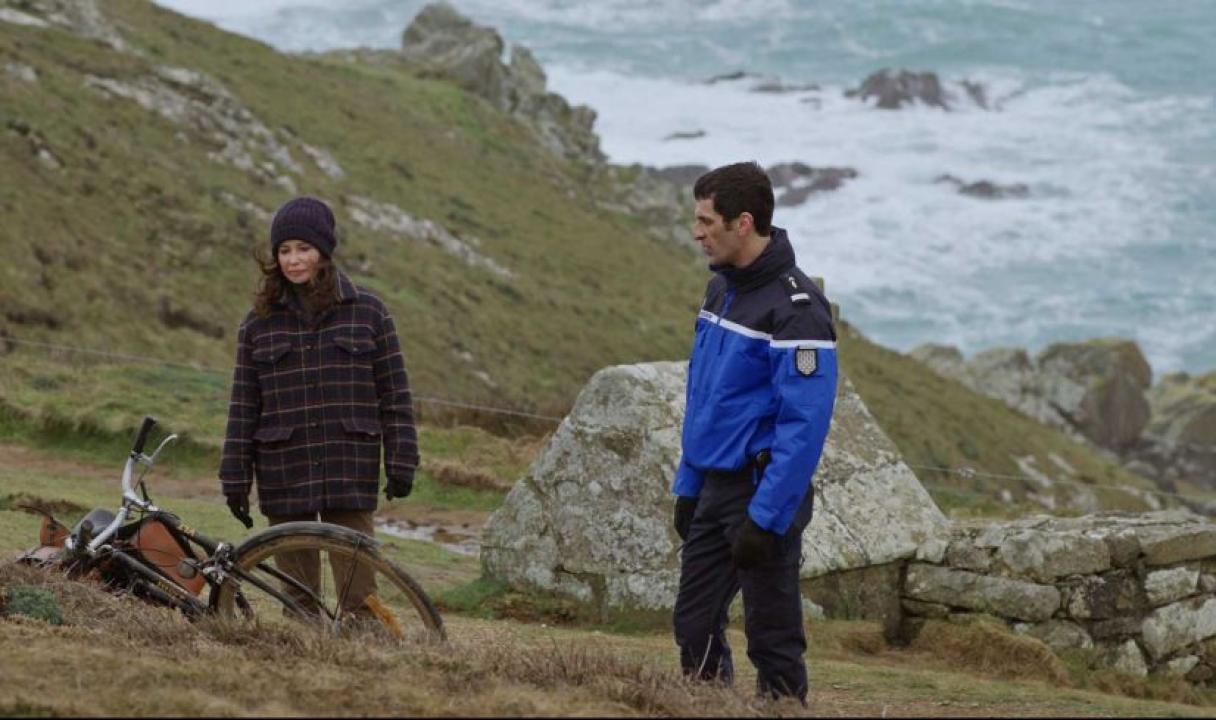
772 602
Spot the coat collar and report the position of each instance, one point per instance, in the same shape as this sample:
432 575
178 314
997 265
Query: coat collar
776 258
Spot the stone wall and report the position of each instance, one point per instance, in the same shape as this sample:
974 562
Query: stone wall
1136 591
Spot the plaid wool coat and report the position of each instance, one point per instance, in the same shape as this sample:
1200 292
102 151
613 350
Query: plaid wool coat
312 405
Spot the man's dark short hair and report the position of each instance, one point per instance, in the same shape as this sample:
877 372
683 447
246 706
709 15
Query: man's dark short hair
736 189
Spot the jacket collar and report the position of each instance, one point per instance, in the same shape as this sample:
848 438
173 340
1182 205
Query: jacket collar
776 258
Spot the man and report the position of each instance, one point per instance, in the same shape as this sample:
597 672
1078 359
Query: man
761 386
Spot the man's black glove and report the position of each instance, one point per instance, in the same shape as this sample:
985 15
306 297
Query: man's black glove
398 487
753 545
685 508
238 505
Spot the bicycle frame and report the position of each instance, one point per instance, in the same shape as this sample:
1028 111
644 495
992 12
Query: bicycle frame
216 566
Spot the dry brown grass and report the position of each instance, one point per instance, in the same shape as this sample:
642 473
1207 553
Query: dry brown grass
991 650
281 671
455 473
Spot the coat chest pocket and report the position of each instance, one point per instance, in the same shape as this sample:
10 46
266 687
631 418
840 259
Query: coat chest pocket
354 348
269 352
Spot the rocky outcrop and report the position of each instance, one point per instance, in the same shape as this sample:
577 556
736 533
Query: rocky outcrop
388 218
443 43
1179 444
197 101
1100 392
1136 591
82 17
1093 390
891 90
592 518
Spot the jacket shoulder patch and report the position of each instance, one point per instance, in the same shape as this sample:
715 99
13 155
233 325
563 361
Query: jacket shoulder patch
806 361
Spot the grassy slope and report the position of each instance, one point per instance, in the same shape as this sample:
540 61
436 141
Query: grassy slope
137 213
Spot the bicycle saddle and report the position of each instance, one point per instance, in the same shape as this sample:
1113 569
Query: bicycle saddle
100 517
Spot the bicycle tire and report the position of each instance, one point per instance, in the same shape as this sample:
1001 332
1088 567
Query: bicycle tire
257 590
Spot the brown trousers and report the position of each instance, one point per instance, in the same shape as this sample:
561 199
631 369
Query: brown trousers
353 585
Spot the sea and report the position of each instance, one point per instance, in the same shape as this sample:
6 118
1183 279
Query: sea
1102 112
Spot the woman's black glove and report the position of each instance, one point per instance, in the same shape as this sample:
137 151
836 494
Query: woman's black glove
753 545
686 507
238 505
398 487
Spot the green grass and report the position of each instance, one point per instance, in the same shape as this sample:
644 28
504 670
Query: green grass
148 222
492 599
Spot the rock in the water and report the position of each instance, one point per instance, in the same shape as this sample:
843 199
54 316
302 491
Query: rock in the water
986 188
685 135
799 181
893 90
592 518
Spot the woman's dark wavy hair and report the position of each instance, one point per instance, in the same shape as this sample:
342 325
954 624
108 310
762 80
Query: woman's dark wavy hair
319 295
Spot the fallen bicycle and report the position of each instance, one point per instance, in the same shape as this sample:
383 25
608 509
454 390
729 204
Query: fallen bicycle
274 576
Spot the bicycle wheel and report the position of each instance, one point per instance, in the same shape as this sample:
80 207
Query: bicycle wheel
326 576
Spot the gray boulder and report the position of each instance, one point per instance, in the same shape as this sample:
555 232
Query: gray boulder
592 518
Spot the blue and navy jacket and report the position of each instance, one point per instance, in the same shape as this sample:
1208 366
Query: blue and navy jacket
762 376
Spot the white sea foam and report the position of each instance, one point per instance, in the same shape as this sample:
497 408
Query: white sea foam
912 260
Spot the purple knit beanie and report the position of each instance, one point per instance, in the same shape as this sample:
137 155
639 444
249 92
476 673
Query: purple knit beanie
307 219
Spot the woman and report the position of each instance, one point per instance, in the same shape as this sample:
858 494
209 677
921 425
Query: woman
319 386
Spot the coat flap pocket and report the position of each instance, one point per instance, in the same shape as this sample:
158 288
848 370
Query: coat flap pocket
361 426
270 352
355 344
274 433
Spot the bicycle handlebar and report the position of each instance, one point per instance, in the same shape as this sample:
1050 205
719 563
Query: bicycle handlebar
142 437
